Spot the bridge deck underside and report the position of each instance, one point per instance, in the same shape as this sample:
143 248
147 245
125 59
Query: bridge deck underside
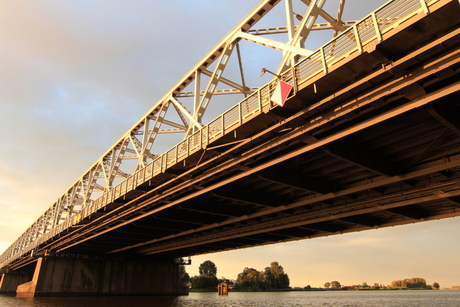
373 143
350 185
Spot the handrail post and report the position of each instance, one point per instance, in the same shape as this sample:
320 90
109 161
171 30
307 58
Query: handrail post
222 123
376 27
259 98
425 8
294 80
188 140
358 40
207 134
323 60
176 153
240 113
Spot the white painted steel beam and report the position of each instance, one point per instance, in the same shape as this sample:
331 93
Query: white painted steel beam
302 32
274 44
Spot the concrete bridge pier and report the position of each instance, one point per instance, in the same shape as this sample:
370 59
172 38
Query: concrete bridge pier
10 281
58 276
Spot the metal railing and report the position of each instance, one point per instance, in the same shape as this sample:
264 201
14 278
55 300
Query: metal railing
361 37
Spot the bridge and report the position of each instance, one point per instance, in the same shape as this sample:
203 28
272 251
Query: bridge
362 133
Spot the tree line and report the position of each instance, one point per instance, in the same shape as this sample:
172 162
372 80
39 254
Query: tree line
413 283
408 283
272 277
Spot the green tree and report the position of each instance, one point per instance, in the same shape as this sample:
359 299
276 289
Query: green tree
327 285
410 283
364 286
207 279
250 279
335 284
184 277
208 268
415 282
274 277
436 285
398 284
204 282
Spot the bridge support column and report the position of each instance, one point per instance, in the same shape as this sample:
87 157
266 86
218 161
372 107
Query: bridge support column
93 277
28 289
10 281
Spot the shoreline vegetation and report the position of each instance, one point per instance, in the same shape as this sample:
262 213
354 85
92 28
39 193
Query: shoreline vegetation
306 290
274 279
316 290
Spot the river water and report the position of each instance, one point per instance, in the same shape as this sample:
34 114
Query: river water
419 298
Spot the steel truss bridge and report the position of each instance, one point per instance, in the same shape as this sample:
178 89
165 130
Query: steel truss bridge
368 137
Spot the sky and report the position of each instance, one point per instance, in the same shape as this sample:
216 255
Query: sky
76 75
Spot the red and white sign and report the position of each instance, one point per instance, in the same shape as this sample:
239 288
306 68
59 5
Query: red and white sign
281 93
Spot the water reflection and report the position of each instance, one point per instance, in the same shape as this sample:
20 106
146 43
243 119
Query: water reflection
260 299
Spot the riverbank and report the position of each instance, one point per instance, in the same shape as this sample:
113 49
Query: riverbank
311 290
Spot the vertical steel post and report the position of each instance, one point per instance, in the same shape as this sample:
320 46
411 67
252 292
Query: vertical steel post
358 40
376 27
323 60
425 8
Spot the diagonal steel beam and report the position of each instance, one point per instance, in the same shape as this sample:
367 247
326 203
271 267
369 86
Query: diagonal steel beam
302 31
338 26
241 88
185 112
274 44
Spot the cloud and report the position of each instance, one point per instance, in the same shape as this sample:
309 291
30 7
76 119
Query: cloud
367 241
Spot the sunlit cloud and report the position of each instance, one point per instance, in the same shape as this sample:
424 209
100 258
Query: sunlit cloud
365 241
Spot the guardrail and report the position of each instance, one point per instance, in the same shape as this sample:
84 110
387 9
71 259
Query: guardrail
361 37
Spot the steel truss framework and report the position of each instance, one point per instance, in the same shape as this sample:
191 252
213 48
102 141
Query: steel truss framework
98 187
